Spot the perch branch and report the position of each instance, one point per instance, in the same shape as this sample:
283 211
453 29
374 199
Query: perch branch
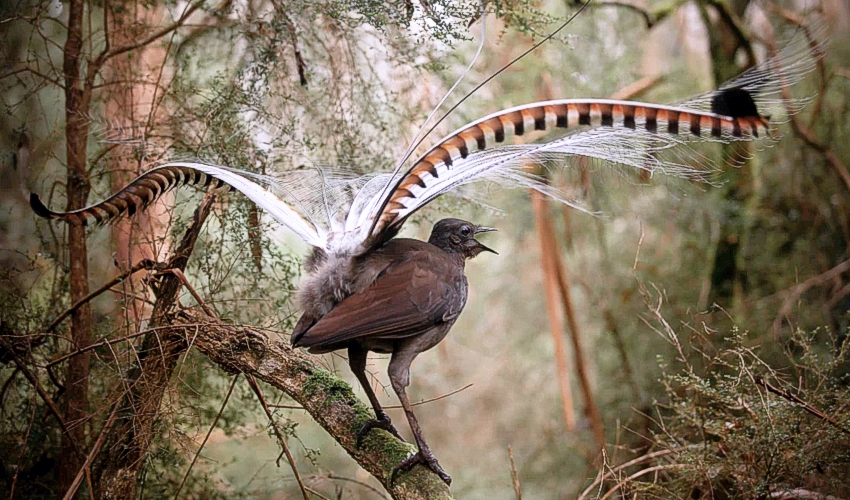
330 401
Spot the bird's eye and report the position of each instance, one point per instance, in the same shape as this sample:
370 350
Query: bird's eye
465 230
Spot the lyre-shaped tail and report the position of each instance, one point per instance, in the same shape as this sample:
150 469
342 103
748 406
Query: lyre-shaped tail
152 184
733 117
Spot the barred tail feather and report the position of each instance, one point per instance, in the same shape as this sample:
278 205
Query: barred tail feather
136 196
152 184
438 169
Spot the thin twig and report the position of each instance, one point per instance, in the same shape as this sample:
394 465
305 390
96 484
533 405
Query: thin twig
182 277
602 477
144 264
804 132
394 407
798 21
792 294
256 388
514 475
639 473
23 450
636 88
109 53
734 23
424 401
355 481
311 490
108 342
647 17
207 437
788 395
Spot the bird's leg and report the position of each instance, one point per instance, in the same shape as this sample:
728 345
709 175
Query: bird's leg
357 361
400 378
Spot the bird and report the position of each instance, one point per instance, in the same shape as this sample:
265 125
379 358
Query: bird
367 290
409 294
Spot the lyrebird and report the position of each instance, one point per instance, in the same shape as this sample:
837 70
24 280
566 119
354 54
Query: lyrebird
365 290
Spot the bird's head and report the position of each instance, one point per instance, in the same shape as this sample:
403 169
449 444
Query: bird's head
458 237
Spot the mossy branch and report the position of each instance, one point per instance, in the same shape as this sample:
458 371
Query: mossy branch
328 399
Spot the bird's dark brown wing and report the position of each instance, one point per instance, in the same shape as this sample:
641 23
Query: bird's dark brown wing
410 297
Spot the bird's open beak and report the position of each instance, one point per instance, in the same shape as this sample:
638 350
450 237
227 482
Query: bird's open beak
483 247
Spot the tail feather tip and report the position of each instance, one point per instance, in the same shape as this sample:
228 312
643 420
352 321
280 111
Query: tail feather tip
735 103
39 208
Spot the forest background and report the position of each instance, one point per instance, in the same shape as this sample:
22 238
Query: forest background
689 342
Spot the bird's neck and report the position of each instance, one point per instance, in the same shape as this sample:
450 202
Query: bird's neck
457 257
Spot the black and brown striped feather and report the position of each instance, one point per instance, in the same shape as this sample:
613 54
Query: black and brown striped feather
492 130
134 197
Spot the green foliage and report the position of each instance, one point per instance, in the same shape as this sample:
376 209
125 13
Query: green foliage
730 435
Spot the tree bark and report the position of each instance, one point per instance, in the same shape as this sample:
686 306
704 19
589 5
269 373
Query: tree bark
75 399
329 400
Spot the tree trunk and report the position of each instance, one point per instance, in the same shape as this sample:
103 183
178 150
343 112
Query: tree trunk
728 274
75 399
132 434
132 109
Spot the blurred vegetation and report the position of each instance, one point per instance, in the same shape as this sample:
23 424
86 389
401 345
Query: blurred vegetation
692 300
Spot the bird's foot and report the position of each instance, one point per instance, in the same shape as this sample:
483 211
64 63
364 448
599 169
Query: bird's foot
382 422
425 458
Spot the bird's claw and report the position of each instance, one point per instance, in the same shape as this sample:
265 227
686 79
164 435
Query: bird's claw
382 422
425 458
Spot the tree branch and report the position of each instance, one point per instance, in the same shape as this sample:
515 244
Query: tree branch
800 129
329 400
651 16
144 264
92 454
788 395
